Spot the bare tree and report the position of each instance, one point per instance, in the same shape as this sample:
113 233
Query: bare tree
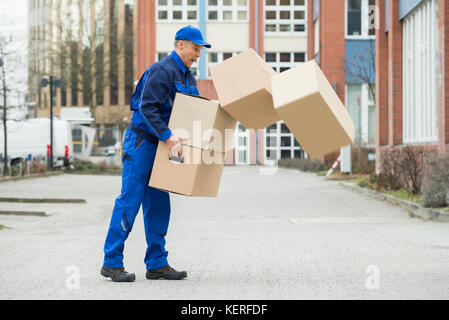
360 68
79 54
11 88
4 92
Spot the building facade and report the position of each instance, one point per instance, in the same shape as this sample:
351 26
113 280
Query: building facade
99 48
341 38
411 74
276 29
92 47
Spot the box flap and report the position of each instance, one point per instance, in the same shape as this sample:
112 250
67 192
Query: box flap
255 111
240 76
312 110
202 120
296 83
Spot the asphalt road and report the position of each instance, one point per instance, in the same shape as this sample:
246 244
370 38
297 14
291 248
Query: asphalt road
287 235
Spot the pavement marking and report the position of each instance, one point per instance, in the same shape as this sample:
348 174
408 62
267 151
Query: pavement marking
23 213
342 220
41 200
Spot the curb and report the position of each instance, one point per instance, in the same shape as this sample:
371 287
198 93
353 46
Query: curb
416 209
16 178
42 200
95 173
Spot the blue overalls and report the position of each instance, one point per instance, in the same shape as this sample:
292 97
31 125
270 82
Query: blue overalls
152 104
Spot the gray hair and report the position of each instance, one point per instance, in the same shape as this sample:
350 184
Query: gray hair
177 41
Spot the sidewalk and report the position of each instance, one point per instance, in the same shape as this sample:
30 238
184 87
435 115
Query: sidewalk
415 209
287 235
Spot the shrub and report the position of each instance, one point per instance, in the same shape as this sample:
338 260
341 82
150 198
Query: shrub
83 165
436 183
402 168
102 166
37 167
302 164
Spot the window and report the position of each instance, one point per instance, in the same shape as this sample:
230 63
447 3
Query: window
241 143
216 57
361 108
227 10
282 61
285 16
355 17
177 10
420 45
360 18
280 143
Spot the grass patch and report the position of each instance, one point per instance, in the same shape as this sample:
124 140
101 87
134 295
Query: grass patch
4 227
353 178
404 195
365 181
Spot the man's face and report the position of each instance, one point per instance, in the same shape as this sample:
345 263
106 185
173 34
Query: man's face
189 52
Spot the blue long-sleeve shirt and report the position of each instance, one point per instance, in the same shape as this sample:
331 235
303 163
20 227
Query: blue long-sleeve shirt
153 99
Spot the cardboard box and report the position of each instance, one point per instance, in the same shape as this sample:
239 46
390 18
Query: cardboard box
211 132
204 121
199 175
243 85
312 110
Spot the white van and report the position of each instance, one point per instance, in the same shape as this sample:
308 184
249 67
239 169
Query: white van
32 137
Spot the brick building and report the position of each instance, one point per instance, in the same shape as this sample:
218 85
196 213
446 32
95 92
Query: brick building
411 74
341 38
124 37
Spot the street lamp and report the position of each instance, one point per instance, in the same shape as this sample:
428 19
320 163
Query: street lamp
54 83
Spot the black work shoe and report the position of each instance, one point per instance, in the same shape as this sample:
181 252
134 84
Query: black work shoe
167 273
118 275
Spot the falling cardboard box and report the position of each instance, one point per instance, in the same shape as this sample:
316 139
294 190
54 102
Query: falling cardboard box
243 85
312 110
210 132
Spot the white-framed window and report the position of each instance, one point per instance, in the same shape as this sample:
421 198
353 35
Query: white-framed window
214 58
177 10
280 143
285 16
193 68
282 61
228 10
360 19
420 51
241 144
361 107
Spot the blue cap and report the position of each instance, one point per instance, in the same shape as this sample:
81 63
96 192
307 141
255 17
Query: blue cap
192 34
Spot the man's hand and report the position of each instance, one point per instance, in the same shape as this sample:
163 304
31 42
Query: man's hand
174 145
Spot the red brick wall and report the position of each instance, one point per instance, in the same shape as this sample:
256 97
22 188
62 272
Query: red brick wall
394 74
381 80
146 35
332 43
310 31
207 89
252 26
443 76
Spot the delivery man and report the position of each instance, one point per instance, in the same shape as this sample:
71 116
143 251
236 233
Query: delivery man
151 104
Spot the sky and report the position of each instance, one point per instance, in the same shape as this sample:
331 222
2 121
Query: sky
13 7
